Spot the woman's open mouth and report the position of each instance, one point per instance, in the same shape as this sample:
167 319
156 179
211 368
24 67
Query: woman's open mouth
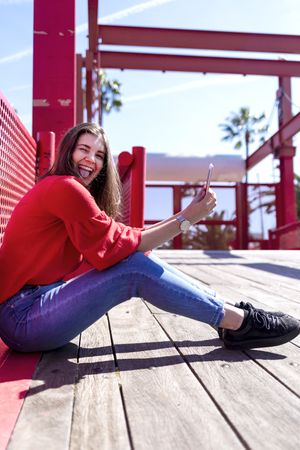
85 171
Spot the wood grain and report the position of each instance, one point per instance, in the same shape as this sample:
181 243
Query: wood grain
45 419
173 385
166 404
266 413
98 416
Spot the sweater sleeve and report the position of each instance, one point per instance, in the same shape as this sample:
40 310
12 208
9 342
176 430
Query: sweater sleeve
101 240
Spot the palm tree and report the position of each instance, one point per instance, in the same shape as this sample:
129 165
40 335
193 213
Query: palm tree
242 128
210 237
110 94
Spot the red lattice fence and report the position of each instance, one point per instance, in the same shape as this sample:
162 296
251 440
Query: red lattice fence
17 161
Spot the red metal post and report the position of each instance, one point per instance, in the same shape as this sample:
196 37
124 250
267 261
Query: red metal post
138 187
79 89
46 151
278 202
242 216
285 107
89 85
288 211
177 241
286 152
54 66
125 160
91 60
93 24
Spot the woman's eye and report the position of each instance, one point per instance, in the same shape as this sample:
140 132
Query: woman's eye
100 156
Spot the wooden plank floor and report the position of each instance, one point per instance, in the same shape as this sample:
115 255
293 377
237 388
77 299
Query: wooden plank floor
141 378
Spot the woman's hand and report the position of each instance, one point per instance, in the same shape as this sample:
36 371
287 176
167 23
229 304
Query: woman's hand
201 205
199 196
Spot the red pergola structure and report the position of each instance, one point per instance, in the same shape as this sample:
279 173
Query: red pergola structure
54 104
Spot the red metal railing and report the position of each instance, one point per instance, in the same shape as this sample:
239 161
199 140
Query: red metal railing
286 237
17 161
132 170
241 221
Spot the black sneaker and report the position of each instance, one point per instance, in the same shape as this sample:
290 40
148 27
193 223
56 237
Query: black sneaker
247 306
262 329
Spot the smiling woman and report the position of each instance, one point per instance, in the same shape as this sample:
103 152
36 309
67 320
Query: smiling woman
69 217
89 156
84 152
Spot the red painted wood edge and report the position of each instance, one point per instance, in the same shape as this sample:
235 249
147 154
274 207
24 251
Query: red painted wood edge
16 370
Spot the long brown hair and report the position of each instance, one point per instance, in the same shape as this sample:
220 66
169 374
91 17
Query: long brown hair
106 187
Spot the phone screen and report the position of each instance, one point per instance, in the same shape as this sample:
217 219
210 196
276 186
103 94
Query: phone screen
208 178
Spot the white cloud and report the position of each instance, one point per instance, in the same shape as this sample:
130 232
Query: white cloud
140 7
16 56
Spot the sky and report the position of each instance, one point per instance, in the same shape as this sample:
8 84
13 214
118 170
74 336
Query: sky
166 112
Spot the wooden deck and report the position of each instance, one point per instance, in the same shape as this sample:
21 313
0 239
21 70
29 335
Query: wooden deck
141 378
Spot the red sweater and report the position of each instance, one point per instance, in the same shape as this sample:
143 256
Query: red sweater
55 226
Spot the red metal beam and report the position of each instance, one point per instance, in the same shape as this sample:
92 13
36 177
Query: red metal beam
201 39
180 63
284 133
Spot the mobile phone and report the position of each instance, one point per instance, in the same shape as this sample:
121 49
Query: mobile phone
208 178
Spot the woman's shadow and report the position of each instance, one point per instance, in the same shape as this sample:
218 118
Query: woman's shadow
67 365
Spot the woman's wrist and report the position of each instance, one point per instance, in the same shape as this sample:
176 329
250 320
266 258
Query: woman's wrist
190 217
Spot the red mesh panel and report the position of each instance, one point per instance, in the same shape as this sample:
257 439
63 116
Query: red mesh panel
126 200
17 161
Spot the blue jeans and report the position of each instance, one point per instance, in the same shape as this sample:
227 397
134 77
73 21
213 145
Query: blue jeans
40 318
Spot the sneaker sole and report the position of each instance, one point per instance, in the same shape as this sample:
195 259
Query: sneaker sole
259 343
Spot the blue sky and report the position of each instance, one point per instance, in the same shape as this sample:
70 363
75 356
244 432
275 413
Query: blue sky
170 112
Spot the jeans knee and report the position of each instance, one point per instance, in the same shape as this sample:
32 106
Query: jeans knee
141 264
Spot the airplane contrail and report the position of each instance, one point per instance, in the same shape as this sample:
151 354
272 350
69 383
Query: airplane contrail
200 83
140 7
14 2
83 27
21 87
16 56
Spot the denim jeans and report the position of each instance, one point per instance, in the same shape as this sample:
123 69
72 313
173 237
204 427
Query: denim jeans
40 318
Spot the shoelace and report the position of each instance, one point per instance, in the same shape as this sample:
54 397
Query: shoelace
247 305
264 320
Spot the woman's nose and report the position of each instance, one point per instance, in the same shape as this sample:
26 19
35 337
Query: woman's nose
90 157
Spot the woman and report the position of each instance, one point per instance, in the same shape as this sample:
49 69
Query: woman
70 216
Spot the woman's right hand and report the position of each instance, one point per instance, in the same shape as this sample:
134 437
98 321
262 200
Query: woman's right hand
198 209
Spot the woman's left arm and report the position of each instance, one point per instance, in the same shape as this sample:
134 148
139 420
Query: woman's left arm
168 229
198 197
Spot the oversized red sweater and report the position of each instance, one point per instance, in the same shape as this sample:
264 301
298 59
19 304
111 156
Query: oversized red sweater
55 226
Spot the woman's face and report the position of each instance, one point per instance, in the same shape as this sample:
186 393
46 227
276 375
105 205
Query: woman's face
88 156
